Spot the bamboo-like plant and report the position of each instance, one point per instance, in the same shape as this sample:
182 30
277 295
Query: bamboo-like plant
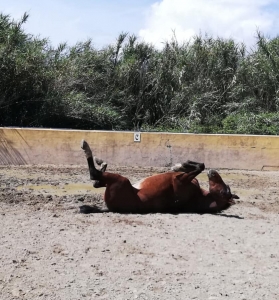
205 84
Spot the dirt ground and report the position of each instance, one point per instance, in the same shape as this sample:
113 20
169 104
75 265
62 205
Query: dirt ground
51 251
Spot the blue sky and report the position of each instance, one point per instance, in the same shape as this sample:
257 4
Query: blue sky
153 21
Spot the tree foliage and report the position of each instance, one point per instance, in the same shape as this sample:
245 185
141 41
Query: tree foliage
203 85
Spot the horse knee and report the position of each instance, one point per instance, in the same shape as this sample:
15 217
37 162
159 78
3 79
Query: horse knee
96 184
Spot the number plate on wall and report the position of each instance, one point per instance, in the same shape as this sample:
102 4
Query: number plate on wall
137 137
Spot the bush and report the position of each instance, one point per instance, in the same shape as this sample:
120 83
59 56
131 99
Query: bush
249 123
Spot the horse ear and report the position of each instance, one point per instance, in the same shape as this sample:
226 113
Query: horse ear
234 196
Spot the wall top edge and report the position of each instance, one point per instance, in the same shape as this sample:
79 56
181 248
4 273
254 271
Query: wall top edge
131 132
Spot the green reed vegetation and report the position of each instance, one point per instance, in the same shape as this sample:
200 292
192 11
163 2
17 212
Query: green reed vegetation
206 85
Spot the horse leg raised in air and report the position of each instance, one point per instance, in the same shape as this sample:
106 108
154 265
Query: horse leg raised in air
99 162
168 192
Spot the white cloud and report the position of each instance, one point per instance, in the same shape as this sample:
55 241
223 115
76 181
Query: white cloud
237 19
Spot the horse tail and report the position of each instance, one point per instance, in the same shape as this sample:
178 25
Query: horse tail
87 209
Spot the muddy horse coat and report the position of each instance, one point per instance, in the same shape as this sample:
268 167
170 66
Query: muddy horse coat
166 192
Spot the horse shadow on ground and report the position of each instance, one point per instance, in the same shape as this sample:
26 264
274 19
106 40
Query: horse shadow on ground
89 209
229 216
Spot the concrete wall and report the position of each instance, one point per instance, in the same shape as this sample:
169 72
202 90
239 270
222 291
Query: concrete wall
46 146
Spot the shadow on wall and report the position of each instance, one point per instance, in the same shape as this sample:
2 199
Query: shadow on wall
8 154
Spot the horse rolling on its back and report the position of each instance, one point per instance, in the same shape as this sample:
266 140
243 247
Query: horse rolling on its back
177 191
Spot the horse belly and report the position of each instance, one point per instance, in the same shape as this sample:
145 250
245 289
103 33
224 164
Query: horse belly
155 193
122 200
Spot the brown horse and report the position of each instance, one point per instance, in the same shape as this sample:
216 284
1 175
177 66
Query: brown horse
166 192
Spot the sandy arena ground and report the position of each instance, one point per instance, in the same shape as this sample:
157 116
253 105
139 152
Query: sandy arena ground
51 251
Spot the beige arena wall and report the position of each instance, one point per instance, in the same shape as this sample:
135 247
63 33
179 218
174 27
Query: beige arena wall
19 146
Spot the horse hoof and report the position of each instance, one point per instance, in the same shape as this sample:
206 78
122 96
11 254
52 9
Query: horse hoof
202 166
85 147
83 144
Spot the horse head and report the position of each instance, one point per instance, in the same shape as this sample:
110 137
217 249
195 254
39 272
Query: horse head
219 192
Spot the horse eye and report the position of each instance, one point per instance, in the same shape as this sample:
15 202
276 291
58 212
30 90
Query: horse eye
226 193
